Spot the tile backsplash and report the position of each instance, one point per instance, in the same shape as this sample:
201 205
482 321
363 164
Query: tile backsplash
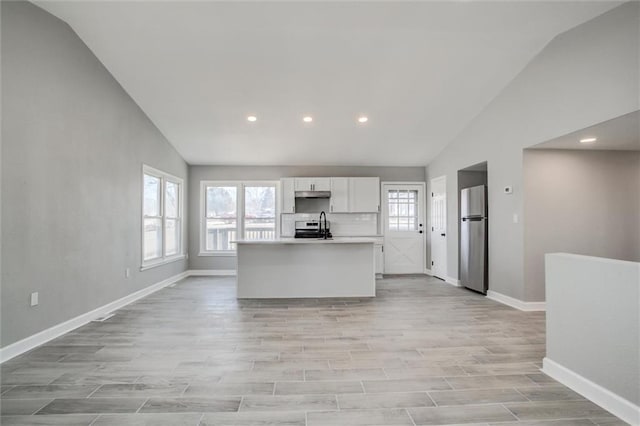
342 224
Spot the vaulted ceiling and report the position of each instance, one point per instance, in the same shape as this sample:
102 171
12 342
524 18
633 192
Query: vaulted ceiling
420 71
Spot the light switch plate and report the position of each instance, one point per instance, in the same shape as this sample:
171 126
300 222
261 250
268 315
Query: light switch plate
34 299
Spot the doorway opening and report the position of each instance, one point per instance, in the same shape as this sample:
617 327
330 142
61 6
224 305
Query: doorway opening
473 235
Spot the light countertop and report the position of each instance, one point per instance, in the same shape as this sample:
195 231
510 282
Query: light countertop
336 240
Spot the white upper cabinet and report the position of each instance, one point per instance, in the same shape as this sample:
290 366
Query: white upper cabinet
339 195
322 184
364 195
288 195
304 184
348 195
313 184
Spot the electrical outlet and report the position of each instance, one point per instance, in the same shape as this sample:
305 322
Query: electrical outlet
127 273
34 299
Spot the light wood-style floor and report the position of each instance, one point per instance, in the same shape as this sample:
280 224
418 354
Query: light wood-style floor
421 353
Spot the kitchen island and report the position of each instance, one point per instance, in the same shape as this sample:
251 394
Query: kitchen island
302 268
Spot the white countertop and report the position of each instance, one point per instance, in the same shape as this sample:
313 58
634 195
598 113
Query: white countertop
336 240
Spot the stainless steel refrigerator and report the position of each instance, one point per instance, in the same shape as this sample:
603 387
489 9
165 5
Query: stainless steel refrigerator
473 238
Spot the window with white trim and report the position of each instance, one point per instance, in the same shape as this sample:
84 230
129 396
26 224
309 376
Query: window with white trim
162 207
233 210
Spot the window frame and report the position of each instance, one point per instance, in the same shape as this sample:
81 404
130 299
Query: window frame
164 178
240 210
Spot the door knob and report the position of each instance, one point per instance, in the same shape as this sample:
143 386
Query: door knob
443 234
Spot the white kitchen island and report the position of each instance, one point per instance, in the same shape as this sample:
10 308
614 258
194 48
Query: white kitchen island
302 268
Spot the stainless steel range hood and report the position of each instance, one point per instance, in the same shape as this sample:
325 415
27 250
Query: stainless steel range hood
313 194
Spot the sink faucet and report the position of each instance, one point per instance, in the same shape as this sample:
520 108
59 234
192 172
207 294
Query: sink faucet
324 233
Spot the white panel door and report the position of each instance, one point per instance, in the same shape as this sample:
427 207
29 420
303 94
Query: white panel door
404 242
364 195
339 195
439 227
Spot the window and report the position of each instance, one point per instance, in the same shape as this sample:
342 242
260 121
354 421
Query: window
162 217
235 210
222 217
403 209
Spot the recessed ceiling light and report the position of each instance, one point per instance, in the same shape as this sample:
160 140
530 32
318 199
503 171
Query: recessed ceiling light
252 118
307 119
363 119
588 140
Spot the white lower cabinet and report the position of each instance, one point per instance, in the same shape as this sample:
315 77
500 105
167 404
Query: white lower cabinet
379 251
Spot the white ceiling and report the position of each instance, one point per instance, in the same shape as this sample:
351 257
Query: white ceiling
420 70
619 134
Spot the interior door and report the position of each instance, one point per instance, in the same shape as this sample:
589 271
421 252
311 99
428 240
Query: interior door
439 227
404 241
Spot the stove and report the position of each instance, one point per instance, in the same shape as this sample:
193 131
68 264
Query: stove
311 229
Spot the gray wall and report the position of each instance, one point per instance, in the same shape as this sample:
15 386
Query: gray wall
583 202
200 173
73 147
593 322
582 77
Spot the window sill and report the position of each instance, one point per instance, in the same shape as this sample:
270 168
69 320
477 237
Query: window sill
217 254
154 264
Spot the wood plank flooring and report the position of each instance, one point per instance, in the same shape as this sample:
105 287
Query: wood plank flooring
421 353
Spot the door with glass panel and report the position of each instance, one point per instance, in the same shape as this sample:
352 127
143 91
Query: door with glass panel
404 242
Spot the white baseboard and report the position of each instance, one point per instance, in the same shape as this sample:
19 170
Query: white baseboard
212 272
613 403
427 271
516 303
58 330
454 282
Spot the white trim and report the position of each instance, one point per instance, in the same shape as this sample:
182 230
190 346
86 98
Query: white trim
427 271
217 254
453 281
612 402
163 262
516 303
212 272
44 336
